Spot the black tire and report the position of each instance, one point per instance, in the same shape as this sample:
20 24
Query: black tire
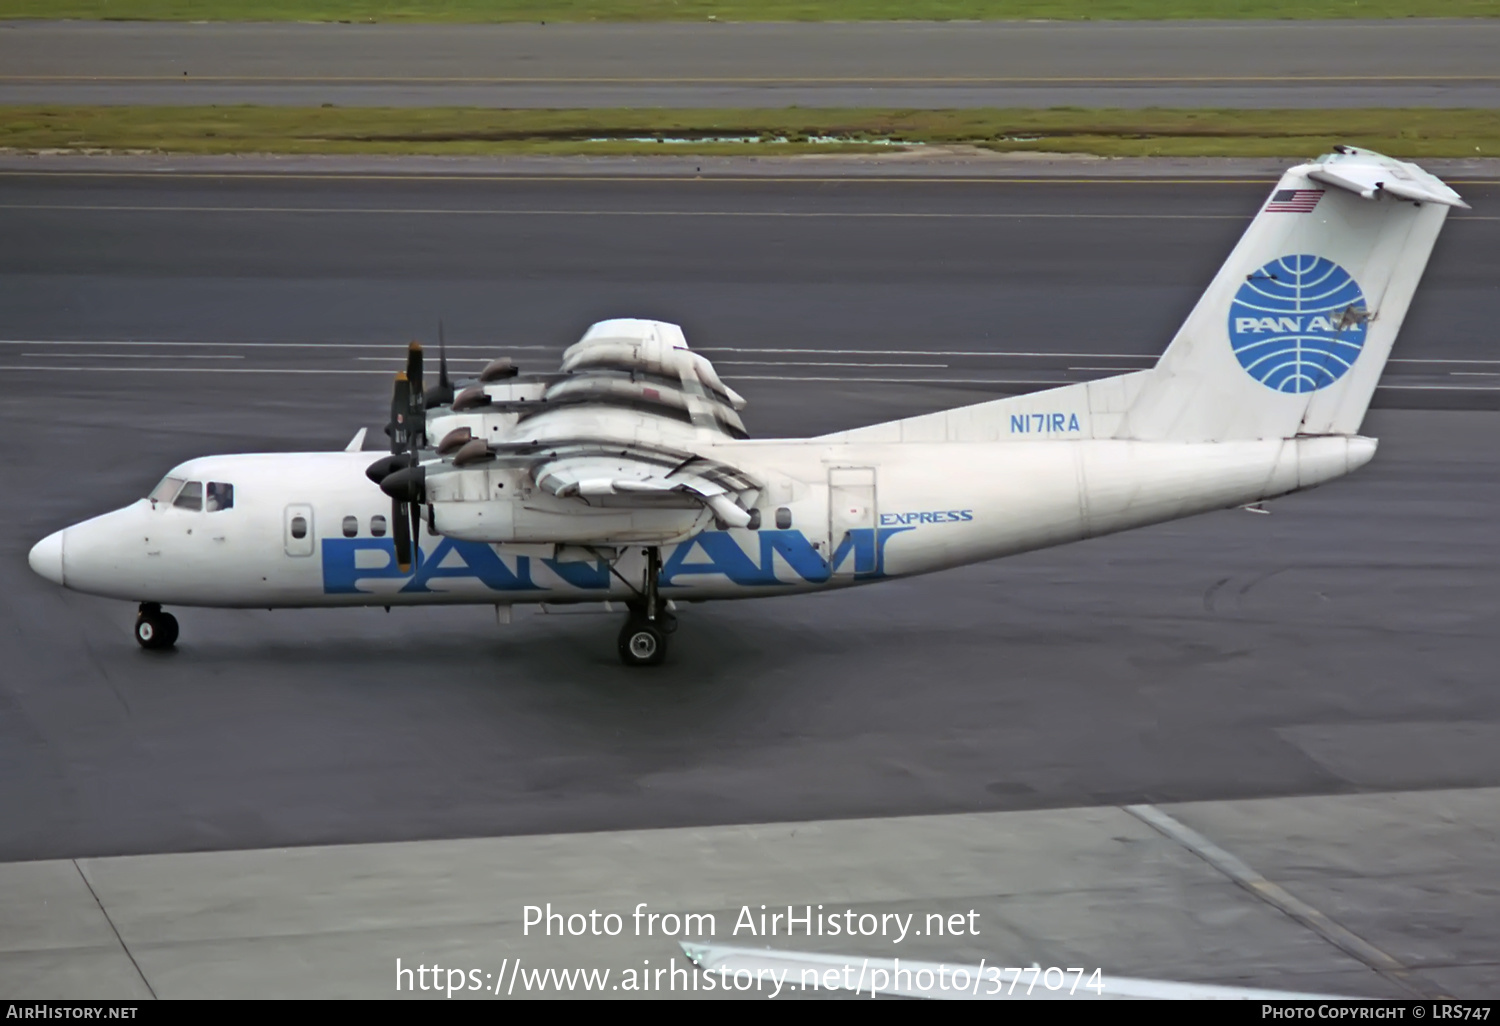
156 630
642 643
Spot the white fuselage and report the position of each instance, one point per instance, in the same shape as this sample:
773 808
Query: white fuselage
831 514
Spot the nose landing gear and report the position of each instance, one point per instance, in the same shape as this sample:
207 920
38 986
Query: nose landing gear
153 628
643 639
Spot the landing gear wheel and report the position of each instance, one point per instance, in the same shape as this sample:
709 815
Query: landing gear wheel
642 643
155 629
643 640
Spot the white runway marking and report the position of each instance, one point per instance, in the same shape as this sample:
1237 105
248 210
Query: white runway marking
1277 897
930 352
780 351
134 356
681 176
197 370
775 80
1028 379
268 345
824 363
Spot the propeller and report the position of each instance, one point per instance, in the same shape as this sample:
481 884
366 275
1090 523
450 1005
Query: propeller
400 475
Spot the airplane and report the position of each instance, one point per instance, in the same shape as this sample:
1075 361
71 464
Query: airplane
628 477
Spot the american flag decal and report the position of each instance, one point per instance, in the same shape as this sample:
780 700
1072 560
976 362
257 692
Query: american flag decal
1294 201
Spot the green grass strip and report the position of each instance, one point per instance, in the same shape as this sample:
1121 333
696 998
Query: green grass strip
1416 132
732 10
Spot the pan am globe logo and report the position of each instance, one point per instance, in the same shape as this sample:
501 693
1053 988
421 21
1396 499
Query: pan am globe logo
1298 324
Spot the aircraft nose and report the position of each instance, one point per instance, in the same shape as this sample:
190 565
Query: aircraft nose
47 557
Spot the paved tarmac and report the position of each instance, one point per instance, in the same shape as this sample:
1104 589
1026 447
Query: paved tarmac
1373 896
1346 642
976 282
1394 63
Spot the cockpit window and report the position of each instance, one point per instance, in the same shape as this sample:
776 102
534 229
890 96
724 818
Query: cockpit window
191 496
220 496
167 490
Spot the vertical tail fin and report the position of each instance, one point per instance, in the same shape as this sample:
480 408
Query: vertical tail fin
1293 333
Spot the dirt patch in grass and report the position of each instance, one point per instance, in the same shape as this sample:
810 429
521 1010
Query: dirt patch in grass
1417 132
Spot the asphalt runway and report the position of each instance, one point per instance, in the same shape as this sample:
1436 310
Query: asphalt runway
1000 284
1345 643
1395 63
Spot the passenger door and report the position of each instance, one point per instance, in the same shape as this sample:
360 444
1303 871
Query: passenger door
297 530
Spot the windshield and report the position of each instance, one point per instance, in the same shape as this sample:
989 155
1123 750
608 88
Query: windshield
167 490
191 496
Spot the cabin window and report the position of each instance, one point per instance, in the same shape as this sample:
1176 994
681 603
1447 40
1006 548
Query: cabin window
219 496
783 519
167 490
191 496
754 523
351 526
377 526
299 527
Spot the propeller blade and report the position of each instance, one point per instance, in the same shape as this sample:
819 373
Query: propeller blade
400 408
416 425
400 475
402 528
441 394
414 367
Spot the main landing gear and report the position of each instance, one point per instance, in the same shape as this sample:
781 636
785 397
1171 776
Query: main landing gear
153 628
643 639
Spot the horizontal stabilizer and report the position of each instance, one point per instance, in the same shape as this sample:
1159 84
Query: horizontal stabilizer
1367 175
